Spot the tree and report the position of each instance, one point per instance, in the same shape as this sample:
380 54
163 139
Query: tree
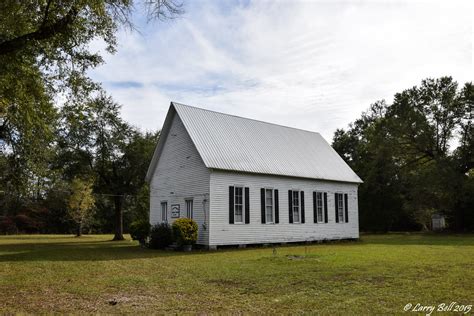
423 122
465 152
51 28
423 119
365 147
122 172
94 136
26 131
139 204
402 152
52 37
81 203
44 57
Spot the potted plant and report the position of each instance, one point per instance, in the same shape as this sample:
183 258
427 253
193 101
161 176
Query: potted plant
185 231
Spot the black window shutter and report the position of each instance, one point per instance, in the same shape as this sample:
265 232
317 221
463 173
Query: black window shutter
302 207
231 205
247 206
315 215
277 212
335 205
346 208
325 207
290 205
262 202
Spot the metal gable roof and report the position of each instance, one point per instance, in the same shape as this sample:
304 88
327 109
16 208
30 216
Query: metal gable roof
235 143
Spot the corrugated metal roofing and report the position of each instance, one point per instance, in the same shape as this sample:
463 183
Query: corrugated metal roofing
240 144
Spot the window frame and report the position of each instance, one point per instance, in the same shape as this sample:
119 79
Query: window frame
242 204
164 212
298 206
272 190
340 208
320 198
189 212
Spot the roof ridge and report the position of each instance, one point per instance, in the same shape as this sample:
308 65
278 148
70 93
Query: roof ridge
245 118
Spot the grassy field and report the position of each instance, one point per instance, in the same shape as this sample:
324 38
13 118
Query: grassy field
379 274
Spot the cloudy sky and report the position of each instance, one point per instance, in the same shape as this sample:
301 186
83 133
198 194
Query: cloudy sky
314 65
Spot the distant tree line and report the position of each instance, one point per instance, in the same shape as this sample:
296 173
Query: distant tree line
416 158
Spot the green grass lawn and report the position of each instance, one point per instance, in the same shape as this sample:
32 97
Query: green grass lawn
378 274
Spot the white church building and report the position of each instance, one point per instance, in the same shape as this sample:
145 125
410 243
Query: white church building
248 182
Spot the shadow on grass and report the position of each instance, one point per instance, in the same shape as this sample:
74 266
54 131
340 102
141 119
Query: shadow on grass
87 250
48 249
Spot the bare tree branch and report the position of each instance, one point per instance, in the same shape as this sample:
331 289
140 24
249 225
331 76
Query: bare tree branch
164 9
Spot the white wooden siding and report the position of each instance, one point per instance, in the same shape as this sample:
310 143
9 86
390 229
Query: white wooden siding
179 175
223 233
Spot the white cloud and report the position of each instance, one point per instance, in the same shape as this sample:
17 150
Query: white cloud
311 65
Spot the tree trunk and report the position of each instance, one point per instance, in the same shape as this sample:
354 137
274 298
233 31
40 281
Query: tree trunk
79 230
118 218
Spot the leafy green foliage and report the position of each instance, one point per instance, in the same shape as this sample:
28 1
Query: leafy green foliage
185 231
27 117
161 236
81 202
402 152
138 206
44 59
140 230
95 140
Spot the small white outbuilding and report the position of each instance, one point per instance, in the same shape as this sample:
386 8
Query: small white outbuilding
438 222
247 182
